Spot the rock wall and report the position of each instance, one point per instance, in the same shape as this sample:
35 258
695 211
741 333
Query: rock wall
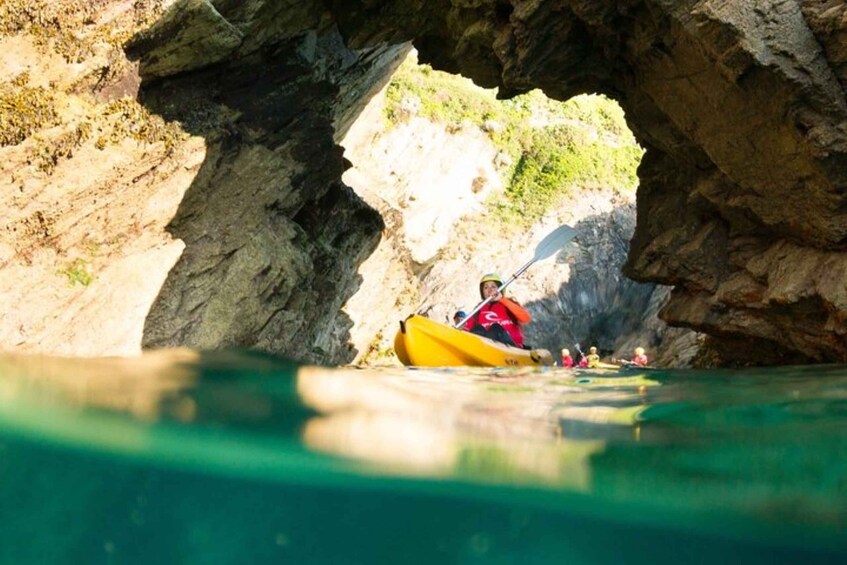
202 204
740 106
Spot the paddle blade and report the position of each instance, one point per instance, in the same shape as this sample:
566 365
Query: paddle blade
554 241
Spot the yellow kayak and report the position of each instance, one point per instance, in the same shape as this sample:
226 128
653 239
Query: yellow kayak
602 365
427 343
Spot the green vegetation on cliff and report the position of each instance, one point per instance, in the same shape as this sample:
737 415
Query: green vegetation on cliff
75 31
24 110
552 147
72 28
558 158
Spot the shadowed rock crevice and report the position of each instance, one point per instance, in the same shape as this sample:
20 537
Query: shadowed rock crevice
273 237
599 306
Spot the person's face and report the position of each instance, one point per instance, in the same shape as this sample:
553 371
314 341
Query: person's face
489 288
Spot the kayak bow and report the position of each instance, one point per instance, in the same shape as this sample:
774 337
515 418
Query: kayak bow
427 343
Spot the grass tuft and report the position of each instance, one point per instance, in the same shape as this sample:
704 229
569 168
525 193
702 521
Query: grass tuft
77 273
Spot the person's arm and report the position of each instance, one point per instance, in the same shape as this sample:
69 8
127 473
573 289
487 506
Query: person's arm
518 311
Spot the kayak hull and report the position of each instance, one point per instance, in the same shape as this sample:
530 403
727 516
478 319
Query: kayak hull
426 343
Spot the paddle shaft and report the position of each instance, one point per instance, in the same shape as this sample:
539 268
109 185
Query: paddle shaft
554 241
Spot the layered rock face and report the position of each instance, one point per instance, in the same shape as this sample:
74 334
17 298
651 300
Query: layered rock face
226 223
741 108
273 237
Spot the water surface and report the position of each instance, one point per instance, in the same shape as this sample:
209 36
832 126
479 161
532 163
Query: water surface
238 457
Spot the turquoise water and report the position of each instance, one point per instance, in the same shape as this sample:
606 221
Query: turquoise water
236 457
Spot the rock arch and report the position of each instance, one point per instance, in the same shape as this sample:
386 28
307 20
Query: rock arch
739 105
741 108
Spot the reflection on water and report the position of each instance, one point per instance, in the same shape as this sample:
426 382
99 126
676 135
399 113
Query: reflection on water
140 386
478 424
182 456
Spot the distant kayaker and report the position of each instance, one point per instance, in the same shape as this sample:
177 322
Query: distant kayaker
501 318
567 360
459 316
592 360
640 358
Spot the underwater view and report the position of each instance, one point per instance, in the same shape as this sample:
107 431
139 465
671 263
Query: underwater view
181 456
